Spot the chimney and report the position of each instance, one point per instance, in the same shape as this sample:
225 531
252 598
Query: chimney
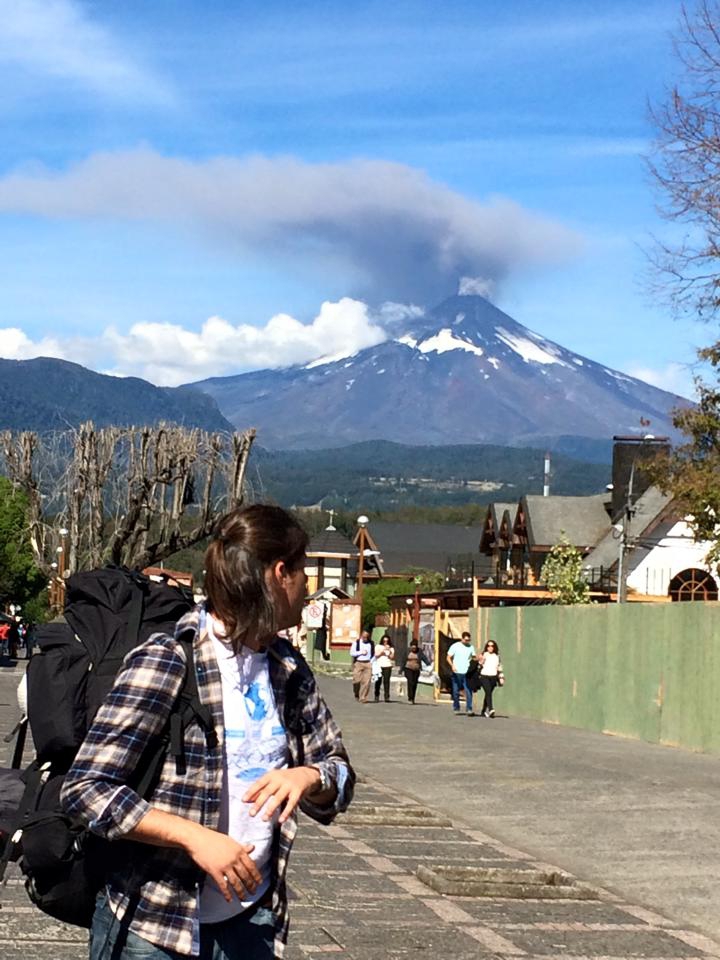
546 476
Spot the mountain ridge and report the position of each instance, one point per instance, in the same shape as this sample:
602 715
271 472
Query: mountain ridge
50 394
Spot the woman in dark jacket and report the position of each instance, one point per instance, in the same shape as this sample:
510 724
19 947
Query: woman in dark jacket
413 665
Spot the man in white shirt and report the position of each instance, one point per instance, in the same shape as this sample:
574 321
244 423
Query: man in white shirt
362 651
459 657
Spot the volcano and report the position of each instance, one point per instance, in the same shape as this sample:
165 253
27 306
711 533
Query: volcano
465 372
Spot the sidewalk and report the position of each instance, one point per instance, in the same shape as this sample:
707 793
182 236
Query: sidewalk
355 893
638 818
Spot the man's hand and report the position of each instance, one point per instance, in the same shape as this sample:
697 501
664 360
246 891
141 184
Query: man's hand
226 861
279 787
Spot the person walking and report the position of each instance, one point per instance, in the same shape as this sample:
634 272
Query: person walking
4 638
206 873
491 676
411 668
459 656
362 651
384 659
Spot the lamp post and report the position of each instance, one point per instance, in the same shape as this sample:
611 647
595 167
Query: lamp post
362 522
52 586
60 566
416 611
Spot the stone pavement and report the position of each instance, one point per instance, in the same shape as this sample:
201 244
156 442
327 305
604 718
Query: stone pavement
638 818
355 893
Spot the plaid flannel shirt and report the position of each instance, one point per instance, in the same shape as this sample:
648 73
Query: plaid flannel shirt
161 885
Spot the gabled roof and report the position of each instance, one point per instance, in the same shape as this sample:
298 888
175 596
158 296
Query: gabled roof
337 592
583 520
492 528
649 509
499 510
426 545
331 543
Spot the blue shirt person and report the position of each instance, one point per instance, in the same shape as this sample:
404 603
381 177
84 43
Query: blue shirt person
459 657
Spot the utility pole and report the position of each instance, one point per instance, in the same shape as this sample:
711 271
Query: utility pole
628 514
416 612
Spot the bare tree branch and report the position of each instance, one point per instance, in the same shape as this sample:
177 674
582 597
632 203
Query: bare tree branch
127 495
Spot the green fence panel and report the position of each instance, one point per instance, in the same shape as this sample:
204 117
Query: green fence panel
649 671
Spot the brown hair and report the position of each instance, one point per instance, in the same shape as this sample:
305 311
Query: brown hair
246 542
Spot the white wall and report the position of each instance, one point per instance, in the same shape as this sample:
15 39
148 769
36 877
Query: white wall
653 567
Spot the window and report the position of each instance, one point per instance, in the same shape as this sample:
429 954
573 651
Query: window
693 584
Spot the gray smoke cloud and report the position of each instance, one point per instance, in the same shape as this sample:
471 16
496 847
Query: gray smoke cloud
389 229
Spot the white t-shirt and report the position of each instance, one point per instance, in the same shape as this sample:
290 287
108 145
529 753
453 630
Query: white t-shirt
382 656
490 665
255 743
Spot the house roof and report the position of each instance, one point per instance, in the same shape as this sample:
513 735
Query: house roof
426 545
493 523
331 543
583 520
336 592
648 509
499 510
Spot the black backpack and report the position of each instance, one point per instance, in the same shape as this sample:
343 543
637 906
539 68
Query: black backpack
108 613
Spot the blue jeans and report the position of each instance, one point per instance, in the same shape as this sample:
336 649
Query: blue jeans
241 937
459 682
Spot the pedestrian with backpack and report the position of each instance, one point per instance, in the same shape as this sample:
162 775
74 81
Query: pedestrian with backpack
205 872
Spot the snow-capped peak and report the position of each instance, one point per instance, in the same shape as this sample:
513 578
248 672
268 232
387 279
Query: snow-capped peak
445 340
322 361
528 350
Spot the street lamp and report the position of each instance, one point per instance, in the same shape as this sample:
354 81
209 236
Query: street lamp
362 522
60 567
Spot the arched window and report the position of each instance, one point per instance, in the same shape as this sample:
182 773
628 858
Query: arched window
693 584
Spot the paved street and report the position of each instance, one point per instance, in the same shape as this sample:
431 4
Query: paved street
639 818
515 793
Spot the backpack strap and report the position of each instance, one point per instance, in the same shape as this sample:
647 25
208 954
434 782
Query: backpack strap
186 709
20 729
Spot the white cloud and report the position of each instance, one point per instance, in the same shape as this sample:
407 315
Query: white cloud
402 235
16 345
167 354
675 377
56 39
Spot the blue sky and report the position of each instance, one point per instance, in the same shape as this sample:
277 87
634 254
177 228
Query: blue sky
190 189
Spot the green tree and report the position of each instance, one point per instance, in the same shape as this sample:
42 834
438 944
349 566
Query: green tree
426 580
376 597
691 471
562 573
20 580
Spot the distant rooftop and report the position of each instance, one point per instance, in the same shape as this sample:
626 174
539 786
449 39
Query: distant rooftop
331 543
583 520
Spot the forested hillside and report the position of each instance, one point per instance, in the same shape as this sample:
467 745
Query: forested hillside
382 475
